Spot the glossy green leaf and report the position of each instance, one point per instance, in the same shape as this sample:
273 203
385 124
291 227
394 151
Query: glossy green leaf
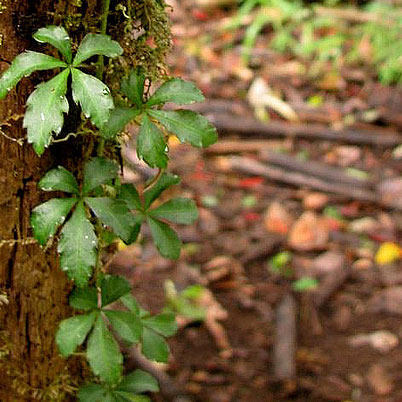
151 145
177 91
77 247
59 179
47 217
133 87
165 181
93 96
96 44
98 171
178 210
113 213
57 37
118 119
165 323
84 298
45 111
154 346
138 382
165 239
23 65
103 354
93 393
188 126
73 331
113 288
129 194
126 324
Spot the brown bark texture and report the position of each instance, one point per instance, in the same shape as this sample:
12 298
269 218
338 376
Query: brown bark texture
33 290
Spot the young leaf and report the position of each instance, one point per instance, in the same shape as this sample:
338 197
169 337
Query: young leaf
113 213
165 323
114 287
47 217
188 126
177 91
77 247
93 96
103 354
98 171
93 393
151 146
23 65
138 382
129 194
165 181
126 324
44 114
119 118
84 298
73 331
59 179
57 37
165 238
178 210
96 44
133 87
154 346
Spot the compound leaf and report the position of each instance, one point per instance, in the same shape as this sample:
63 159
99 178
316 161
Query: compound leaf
178 210
138 382
77 247
103 354
188 126
129 194
133 87
84 298
165 323
44 114
126 324
165 181
23 65
93 393
151 146
57 37
113 287
93 96
59 179
47 217
165 238
154 346
177 91
98 171
96 44
73 331
118 119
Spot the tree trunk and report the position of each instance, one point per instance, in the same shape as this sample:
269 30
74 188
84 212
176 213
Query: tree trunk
33 290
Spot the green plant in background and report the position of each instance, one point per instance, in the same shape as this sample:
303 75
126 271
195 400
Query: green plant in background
99 206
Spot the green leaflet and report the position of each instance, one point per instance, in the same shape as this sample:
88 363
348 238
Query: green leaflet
129 194
96 44
84 298
178 210
59 179
188 126
126 324
98 171
47 217
92 393
103 354
154 346
119 118
151 146
44 114
121 396
57 37
165 181
133 87
23 65
138 382
73 331
93 96
77 247
164 323
113 287
177 91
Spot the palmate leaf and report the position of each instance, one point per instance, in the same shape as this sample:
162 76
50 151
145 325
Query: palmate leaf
138 382
47 217
96 44
57 37
84 298
188 126
154 346
113 213
23 65
129 194
77 247
133 87
165 181
59 179
119 118
98 171
126 324
73 331
151 146
177 91
165 323
93 96
178 210
44 114
113 287
103 354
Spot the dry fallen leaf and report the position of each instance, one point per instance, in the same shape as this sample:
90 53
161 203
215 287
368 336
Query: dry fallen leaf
387 253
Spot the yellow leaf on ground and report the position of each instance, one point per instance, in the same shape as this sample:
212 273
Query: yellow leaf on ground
387 253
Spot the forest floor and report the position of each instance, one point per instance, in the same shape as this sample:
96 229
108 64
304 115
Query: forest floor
298 241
